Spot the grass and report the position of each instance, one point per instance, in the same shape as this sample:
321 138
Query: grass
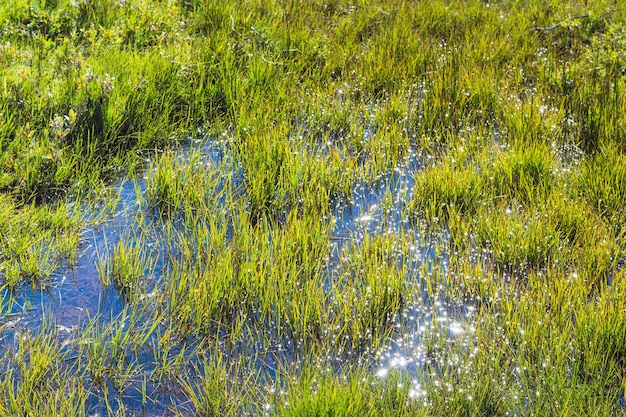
128 267
253 274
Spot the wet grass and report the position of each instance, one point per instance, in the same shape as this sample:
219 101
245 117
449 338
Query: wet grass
335 208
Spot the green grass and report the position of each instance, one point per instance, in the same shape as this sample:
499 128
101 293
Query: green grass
130 266
236 294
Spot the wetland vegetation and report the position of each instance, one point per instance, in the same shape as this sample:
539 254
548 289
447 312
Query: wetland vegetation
312 208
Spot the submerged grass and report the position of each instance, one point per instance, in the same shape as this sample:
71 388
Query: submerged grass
248 302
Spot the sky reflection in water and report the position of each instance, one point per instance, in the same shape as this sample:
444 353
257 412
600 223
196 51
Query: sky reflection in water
78 295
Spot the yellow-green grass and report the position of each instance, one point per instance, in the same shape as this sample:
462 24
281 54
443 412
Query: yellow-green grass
516 109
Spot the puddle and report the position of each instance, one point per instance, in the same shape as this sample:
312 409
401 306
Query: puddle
77 294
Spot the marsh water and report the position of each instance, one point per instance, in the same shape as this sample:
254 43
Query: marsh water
77 296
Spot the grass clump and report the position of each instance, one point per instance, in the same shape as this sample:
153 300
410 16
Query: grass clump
601 184
212 394
371 289
37 372
524 175
34 241
259 272
129 267
318 393
520 207
178 186
598 329
518 240
447 189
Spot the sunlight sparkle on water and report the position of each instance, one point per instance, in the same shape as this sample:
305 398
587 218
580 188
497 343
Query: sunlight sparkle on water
365 218
398 361
456 328
417 391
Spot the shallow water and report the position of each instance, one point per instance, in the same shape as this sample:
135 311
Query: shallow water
367 213
78 296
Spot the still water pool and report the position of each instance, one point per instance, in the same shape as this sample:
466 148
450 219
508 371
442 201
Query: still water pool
77 300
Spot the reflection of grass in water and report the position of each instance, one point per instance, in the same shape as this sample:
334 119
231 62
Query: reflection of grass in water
311 99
